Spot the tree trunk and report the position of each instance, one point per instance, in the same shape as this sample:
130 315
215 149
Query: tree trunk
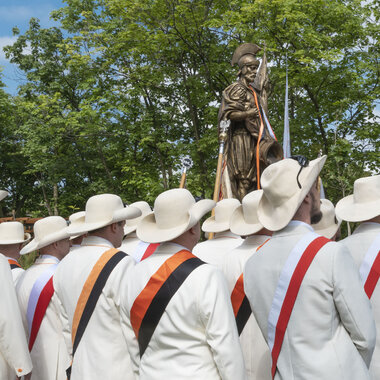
55 197
46 200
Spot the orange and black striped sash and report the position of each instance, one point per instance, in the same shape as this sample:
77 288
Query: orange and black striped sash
240 304
151 303
91 291
13 264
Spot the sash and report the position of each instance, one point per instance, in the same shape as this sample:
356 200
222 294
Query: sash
151 303
14 264
38 302
370 268
287 289
90 294
144 250
240 304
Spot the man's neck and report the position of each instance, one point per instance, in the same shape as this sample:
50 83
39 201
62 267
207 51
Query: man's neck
11 253
103 236
51 253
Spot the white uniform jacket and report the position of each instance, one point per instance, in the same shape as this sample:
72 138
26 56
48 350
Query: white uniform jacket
49 353
196 337
358 244
130 244
16 272
255 350
102 352
331 332
214 251
14 353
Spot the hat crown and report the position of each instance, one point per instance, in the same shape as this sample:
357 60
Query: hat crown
328 215
279 181
250 204
225 208
11 231
145 210
171 208
48 226
367 189
102 207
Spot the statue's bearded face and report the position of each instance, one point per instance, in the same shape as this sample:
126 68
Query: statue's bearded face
249 72
249 66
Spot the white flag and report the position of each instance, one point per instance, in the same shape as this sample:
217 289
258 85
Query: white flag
286 139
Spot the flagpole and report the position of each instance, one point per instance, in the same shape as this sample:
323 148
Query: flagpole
224 125
286 138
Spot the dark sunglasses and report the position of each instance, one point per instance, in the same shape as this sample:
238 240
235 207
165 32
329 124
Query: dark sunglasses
304 162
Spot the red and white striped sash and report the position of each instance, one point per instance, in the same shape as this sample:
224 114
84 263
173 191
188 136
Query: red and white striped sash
288 285
370 268
144 250
39 300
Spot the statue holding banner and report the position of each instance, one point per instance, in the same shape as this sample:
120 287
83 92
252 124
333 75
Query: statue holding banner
244 103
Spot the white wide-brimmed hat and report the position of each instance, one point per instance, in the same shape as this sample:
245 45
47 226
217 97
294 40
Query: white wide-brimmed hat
77 219
221 220
103 210
364 204
131 224
329 224
283 195
13 233
175 212
47 231
244 220
3 194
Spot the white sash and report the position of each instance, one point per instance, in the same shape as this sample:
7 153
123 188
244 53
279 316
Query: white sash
369 258
36 291
140 250
283 283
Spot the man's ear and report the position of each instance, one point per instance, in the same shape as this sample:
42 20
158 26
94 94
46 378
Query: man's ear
308 198
113 227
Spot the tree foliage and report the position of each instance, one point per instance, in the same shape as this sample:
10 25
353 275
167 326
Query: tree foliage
124 88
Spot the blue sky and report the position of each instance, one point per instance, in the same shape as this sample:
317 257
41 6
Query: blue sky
18 13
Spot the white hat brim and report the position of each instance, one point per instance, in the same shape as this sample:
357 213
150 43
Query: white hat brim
118 216
34 245
240 227
275 218
3 194
211 225
129 229
27 237
346 209
328 232
148 230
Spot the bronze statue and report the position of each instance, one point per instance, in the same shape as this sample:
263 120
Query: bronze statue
244 103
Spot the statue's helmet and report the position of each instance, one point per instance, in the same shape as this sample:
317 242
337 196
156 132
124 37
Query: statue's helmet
245 55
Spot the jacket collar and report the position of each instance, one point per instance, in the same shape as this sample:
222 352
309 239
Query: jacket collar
254 241
226 234
47 259
168 248
295 227
367 227
96 241
132 235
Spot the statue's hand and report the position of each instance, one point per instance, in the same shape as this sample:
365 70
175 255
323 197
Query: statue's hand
252 113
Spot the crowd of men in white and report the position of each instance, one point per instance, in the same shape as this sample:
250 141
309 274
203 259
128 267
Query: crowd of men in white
126 293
